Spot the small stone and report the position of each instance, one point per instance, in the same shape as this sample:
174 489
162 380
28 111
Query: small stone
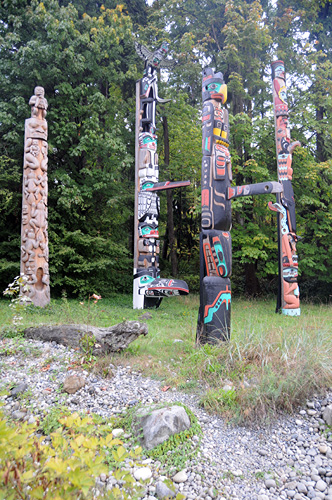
73 383
103 477
321 485
227 388
31 420
19 389
270 483
146 315
323 448
142 474
163 491
117 432
327 415
18 415
262 497
237 473
180 477
301 488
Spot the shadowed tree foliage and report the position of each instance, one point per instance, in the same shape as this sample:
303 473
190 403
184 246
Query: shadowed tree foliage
82 52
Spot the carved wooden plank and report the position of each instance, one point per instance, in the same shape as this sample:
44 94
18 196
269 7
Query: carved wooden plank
112 339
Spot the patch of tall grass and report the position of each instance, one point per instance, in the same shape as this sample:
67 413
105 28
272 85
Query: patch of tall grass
272 362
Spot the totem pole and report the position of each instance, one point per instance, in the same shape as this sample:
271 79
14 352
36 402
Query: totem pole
149 288
214 315
34 238
288 294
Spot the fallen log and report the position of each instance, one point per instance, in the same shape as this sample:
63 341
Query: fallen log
112 339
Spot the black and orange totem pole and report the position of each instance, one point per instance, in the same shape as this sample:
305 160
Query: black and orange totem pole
288 294
149 288
214 316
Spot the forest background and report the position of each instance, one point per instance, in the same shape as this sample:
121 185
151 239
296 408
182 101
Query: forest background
82 53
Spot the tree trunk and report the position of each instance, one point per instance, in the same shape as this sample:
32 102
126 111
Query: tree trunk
320 137
251 282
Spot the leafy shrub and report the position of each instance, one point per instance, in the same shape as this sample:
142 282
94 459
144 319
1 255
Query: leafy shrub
67 466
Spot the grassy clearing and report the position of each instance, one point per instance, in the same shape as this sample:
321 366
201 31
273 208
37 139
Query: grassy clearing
272 362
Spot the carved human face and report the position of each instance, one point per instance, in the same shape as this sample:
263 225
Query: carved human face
39 91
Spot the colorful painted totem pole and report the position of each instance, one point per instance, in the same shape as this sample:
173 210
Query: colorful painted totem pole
34 237
288 294
149 288
214 316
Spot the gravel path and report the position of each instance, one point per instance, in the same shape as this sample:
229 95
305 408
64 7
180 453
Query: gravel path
291 459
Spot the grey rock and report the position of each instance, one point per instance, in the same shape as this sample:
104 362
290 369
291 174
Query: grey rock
19 389
18 415
270 483
319 496
327 415
163 491
159 424
301 487
321 485
31 419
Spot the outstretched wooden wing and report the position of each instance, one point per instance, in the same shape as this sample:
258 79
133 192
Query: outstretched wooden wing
143 51
167 64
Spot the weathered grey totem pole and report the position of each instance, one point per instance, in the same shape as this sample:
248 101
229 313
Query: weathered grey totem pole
214 316
149 288
288 294
34 238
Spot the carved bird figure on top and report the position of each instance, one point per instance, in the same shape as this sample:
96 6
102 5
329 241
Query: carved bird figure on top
155 59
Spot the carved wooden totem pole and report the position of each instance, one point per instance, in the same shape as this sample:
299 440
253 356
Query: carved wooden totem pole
34 238
288 295
215 239
214 315
149 288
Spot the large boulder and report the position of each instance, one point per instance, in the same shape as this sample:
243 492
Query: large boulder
154 425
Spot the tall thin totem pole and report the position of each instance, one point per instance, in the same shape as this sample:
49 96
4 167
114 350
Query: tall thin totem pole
149 288
215 239
214 315
288 294
34 237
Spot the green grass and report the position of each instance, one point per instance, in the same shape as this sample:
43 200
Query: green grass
273 362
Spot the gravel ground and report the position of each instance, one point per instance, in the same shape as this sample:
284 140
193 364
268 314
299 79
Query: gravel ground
290 459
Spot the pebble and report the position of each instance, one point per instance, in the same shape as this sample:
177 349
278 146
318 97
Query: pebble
180 477
163 491
291 458
117 432
142 474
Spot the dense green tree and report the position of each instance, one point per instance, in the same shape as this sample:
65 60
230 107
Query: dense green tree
82 52
87 67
